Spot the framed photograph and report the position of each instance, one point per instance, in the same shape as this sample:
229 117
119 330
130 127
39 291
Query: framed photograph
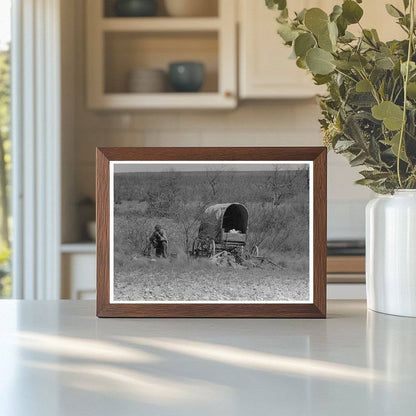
211 232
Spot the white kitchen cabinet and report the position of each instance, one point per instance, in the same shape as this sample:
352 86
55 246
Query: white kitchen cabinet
264 65
265 70
118 45
78 271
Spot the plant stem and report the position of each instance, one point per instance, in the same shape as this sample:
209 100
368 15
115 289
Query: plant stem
373 89
345 75
406 80
369 41
392 90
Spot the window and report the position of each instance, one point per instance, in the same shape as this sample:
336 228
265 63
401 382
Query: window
5 145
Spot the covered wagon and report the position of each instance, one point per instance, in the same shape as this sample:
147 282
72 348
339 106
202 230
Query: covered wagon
223 228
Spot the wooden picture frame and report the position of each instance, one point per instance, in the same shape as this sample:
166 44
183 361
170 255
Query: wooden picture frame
314 308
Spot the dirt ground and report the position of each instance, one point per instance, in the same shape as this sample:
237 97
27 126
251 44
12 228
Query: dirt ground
167 283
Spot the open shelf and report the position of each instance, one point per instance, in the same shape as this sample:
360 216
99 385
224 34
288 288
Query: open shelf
211 9
116 46
130 101
127 51
80 247
160 24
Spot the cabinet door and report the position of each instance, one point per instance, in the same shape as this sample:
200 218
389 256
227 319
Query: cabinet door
265 68
78 276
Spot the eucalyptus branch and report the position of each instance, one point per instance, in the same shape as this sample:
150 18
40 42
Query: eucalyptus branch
373 89
363 109
346 75
405 81
403 28
398 95
392 90
369 41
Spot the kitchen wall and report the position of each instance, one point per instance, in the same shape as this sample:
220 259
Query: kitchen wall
255 123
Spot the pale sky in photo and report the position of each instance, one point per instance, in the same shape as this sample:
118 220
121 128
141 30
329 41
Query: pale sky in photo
5 21
195 167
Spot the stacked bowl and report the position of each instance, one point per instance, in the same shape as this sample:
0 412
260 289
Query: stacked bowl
147 80
186 76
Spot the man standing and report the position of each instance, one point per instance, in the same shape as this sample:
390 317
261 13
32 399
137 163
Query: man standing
159 241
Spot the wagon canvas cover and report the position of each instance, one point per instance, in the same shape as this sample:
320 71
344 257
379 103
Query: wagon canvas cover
229 216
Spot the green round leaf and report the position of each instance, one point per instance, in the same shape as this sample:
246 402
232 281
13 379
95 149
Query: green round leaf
303 43
301 63
316 20
286 32
276 4
321 79
347 37
336 12
333 32
351 11
342 25
300 16
403 66
327 40
394 144
391 114
411 90
385 63
363 86
342 64
324 42
358 61
319 61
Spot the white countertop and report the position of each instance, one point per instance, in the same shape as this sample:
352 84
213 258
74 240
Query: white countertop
57 359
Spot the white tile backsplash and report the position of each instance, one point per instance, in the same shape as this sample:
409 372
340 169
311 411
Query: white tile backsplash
253 123
271 123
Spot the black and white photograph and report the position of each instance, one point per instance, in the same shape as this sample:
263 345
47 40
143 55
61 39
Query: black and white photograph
210 232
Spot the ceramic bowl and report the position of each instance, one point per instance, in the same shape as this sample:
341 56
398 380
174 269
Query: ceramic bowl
135 8
186 76
147 80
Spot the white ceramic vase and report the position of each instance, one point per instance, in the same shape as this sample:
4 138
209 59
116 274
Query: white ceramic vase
391 253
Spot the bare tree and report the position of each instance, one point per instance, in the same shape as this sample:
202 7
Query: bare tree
189 217
213 181
283 184
218 181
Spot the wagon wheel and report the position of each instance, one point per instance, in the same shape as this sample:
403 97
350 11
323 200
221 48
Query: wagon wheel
254 251
239 254
211 248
